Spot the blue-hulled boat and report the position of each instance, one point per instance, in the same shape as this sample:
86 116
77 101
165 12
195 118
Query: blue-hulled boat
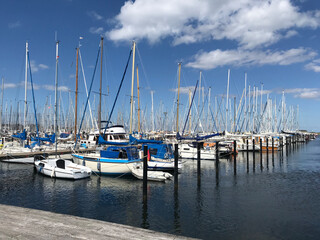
115 160
161 157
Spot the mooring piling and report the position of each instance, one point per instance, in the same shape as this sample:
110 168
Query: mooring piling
235 157
145 170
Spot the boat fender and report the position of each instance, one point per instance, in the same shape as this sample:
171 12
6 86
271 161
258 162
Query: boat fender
53 172
149 157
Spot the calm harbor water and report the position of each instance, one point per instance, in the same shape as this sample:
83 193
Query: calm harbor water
270 198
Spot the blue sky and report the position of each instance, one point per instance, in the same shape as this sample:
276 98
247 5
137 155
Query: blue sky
275 42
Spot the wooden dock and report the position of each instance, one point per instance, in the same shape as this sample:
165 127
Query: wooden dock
32 154
24 223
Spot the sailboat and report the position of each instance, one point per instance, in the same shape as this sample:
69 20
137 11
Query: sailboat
57 167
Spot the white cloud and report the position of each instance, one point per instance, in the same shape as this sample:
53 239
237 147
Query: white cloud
95 15
307 93
314 65
36 67
10 85
310 95
251 23
185 90
43 66
52 88
96 30
240 57
14 24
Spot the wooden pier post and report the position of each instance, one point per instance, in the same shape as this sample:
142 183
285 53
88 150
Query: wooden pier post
272 147
254 154
198 157
176 159
217 153
217 163
235 157
261 164
287 146
247 145
145 170
253 145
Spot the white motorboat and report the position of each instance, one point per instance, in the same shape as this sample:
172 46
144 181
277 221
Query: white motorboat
160 157
159 176
189 150
62 168
115 160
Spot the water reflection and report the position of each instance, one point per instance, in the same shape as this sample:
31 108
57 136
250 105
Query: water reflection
258 196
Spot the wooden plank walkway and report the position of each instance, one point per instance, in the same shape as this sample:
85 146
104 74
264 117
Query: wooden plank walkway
32 154
24 223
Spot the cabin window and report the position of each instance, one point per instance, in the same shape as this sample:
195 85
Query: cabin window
169 149
153 151
186 149
122 137
123 154
60 163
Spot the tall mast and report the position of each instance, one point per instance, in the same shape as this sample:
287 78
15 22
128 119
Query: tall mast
138 89
261 99
249 111
132 83
2 88
234 114
99 110
25 87
189 111
245 97
209 107
56 96
199 99
177 123
152 113
227 100
76 100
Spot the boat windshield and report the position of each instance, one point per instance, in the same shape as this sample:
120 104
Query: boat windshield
169 149
132 153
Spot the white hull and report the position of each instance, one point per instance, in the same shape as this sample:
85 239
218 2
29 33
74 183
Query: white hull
187 151
101 166
71 170
163 165
159 176
27 160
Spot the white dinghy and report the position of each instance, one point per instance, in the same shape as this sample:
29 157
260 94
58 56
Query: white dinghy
137 171
62 168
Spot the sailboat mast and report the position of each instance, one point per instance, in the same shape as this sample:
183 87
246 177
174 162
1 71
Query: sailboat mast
245 99
25 87
199 122
138 89
56 96
132 83
2 88
99 110
152 112
190 111
177 123
227 100
76 100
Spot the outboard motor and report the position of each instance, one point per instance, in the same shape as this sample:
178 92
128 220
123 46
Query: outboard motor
41 156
